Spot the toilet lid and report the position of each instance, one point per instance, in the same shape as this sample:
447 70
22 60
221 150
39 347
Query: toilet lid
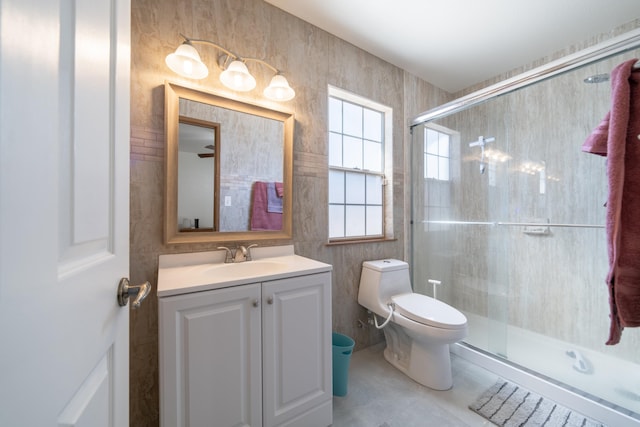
428 311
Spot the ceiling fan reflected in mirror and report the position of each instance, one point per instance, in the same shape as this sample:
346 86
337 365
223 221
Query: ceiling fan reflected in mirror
212 154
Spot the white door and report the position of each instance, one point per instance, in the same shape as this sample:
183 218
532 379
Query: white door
64 215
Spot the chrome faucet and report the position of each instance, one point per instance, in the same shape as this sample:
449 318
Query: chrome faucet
229 256
240 254
243 253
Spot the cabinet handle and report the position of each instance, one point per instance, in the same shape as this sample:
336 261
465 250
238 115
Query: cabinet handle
256 302
270 300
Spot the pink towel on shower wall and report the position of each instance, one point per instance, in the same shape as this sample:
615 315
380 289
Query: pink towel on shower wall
618 138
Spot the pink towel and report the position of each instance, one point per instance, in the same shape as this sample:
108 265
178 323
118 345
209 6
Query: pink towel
261 220
618 138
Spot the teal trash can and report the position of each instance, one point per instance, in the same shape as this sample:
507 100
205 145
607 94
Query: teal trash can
342 349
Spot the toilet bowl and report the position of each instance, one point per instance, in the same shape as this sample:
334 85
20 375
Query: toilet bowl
419 329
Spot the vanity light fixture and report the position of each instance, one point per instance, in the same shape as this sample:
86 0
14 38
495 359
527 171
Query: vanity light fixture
235 75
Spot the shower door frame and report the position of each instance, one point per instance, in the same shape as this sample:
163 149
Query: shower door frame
614 46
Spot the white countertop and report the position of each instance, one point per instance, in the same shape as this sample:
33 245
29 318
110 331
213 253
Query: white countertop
202 271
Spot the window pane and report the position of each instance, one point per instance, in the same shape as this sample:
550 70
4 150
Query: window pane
335 149
352 119
336 221
443 144
445 197
352 152
354 223
435 193
373 156
373 125
424 165
374 220
432 166
374 190
335 115
336 186
443 168
431 143
355 188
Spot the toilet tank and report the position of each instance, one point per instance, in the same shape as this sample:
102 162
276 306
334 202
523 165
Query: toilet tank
380 280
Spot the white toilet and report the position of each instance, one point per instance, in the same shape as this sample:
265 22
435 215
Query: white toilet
420 329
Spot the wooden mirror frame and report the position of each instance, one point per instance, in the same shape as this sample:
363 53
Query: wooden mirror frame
172 94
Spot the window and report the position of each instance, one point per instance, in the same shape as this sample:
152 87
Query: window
358 129
436 154
440 153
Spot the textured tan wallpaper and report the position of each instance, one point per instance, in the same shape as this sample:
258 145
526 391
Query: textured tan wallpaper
311 59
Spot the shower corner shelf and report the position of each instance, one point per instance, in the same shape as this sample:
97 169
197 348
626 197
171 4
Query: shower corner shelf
537 230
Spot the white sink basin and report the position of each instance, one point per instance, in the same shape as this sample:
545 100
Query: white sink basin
241 270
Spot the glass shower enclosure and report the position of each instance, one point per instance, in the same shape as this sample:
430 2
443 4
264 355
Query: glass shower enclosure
508 227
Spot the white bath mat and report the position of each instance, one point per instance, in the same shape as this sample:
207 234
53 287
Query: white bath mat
508 405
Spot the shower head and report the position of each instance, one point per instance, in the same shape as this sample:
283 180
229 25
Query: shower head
597 78
481 143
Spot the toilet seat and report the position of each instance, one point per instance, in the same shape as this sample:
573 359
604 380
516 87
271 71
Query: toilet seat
428 311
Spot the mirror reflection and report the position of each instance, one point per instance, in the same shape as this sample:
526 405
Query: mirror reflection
198 175
228 169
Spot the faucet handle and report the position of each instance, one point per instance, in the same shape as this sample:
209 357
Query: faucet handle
229 256
248 253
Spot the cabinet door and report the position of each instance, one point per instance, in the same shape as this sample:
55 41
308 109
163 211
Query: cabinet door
210 358
297 377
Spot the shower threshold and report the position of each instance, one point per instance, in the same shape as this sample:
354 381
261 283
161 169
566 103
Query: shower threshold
616 402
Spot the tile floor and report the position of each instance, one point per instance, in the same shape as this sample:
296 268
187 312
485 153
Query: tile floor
381 396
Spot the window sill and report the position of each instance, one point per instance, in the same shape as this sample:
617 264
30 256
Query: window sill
357 241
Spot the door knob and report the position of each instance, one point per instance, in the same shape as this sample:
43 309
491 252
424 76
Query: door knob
125 291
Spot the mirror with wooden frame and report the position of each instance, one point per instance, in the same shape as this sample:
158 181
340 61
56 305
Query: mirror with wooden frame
228 169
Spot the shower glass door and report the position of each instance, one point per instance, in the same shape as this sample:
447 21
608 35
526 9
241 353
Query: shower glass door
508 227
459 256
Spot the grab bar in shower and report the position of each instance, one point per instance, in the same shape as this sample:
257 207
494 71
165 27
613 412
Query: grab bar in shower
534 224
515 224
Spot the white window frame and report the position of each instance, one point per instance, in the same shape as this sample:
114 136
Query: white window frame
438 156
437 205
386 175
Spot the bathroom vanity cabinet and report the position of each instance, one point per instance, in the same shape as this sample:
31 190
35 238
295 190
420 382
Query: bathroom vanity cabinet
248 352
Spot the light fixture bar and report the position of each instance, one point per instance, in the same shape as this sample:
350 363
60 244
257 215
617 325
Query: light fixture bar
210 43
186 62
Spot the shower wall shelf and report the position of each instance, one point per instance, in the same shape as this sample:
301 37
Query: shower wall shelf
537 230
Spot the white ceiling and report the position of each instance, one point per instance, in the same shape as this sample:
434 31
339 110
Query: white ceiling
454 44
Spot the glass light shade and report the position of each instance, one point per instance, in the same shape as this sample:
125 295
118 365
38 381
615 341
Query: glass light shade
186 62
279 89
237 77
